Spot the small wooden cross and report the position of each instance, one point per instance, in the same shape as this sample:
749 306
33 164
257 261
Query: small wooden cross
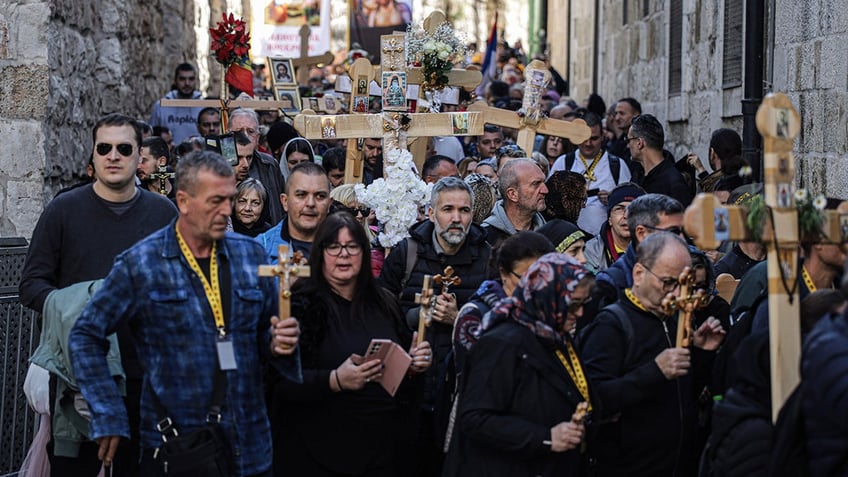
689 300
303 64
426 299
709 222
284 270
447 280
163 175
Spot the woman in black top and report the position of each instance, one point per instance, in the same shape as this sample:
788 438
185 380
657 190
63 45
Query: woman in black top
339 421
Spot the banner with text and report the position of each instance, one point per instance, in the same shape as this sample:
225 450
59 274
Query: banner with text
276 25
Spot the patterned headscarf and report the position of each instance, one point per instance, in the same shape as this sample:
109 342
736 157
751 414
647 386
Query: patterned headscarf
541 299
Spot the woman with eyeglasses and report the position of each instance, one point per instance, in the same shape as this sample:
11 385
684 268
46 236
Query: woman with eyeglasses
524 380
247 208
340 420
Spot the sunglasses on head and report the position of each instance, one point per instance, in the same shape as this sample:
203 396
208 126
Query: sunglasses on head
365 211
124 149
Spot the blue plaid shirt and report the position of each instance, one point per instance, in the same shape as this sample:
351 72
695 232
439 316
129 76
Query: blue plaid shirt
152 286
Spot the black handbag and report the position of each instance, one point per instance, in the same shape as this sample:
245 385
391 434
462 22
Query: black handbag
204 452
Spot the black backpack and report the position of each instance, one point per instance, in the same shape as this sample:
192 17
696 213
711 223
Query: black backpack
788 449
723 372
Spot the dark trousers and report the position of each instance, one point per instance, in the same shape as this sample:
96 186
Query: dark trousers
86 463
429 458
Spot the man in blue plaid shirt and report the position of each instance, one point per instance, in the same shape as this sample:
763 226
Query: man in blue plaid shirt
193 298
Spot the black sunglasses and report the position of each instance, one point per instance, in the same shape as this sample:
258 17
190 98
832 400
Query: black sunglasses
365 211
124 149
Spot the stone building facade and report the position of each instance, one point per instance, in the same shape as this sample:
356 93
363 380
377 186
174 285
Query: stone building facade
64 64
683 60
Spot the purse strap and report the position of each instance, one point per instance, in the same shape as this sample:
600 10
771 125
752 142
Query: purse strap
166 426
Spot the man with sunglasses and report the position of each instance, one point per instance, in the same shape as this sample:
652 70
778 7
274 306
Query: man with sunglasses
76 240
647 384
646 215
602 170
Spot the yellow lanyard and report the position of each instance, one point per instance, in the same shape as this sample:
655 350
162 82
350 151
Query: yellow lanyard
808 280
575 371
634 300
213 290
590 168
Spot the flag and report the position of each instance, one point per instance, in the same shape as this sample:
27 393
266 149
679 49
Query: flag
490 63
240 75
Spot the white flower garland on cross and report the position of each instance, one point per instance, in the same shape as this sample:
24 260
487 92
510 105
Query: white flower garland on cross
395 198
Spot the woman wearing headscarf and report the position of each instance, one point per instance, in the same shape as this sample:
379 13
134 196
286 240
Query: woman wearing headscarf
524 381
295 151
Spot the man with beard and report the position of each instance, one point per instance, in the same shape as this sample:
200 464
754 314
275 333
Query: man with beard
306 202
244 150
182 122
372 153
523 190
447 238
154 153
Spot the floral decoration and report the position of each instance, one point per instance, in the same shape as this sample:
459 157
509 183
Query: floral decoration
395 198
437 54
810 215
230 40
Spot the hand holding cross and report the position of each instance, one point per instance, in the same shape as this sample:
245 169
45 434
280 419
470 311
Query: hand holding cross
163 175
284 269
689 300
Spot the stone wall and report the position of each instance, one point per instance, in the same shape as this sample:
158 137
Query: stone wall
811 66
64 64
809 63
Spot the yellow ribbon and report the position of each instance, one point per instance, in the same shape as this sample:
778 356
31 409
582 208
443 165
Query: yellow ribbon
575 371
212 290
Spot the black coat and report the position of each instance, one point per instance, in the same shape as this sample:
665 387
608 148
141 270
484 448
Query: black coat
824 372
650 421
470 264
515 390
666 179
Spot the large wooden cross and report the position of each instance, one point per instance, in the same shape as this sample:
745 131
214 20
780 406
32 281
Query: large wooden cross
532 121
303 64
709 222
285 268
226 105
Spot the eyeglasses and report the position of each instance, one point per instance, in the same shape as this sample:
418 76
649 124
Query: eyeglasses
335 249
575 306
632 138
669 284
124 149
365 211
672 230
512 272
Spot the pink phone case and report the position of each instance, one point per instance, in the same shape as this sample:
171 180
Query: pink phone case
395 360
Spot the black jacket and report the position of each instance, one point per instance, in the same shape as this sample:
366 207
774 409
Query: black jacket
824 373
266 170
742 431
515 390
650 421
666 179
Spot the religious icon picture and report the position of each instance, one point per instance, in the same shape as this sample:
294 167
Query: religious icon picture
290 99
360 104
328 127
362 86
394 90
313 103
459 122
331 104
721 220
843 227
784 196
282 71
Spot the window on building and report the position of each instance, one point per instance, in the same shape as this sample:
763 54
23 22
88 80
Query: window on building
675 48
646 8
733 43
624 6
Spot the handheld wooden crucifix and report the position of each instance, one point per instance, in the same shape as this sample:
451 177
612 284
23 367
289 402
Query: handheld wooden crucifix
284 270
162 175
689 300
427 298
709 222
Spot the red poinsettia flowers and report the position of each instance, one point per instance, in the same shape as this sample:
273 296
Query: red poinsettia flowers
230 41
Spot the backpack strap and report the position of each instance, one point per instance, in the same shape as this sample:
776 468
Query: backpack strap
615 167
627 326
569 160
411 259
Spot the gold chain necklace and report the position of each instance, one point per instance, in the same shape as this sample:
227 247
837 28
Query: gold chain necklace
589 174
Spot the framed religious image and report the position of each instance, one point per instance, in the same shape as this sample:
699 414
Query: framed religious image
459 122
313 103
290 99
721 221
360 104
782 125
784 196
394 90
282 71
362 85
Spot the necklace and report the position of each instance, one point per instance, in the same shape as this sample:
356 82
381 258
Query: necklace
590 168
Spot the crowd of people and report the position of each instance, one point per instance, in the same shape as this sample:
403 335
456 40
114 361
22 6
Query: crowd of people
553 354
